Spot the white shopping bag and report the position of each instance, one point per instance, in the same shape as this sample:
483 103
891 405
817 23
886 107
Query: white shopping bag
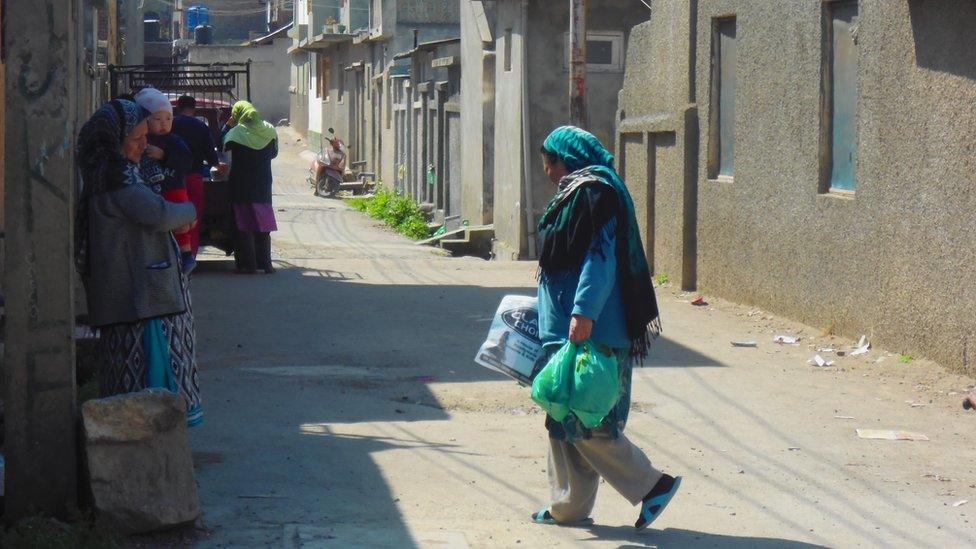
513 344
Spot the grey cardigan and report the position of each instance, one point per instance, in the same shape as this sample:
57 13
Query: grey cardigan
134 261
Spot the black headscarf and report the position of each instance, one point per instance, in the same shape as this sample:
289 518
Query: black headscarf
102 166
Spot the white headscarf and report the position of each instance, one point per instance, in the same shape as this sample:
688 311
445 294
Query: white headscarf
153 100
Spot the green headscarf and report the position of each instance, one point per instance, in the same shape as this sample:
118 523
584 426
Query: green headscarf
576 215
251 130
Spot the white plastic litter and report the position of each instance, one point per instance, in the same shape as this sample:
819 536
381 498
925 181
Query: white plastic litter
820 362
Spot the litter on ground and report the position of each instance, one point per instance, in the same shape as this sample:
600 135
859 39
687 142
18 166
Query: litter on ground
745 344
862 347
889 434
820 362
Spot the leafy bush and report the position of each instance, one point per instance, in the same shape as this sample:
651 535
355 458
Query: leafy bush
396 210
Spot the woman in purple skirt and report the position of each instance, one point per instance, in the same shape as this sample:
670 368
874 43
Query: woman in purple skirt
253 143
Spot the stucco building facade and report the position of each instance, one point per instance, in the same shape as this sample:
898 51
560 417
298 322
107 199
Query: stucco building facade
342 59
814 159
518 54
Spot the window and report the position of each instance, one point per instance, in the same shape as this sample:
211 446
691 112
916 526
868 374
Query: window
508 50
839 101
341 88
721 143
323 80
604 51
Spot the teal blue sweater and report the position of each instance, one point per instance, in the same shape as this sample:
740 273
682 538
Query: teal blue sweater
592 290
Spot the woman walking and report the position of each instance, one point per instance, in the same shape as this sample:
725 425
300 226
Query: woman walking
253 143
130 263
594 283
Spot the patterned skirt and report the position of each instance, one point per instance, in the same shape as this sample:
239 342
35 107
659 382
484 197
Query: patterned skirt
123 368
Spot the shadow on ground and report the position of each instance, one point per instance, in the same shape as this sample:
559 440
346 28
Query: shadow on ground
286 358
689 539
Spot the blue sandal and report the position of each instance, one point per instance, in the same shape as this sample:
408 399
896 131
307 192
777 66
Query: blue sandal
543 516
652 508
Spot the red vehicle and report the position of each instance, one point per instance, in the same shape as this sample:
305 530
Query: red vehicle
328 170
216 88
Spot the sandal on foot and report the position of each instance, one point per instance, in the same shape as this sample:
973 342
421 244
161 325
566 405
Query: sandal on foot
654 504
543 516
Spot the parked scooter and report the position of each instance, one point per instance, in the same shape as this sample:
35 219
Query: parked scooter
327 171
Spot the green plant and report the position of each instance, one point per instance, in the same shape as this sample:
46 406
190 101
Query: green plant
661 279
905 358
398 211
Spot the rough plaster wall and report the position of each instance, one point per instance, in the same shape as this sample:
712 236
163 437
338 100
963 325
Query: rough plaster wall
269 73
894 262
654 97
632 164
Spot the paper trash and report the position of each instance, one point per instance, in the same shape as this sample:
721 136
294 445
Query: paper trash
513 344
862 347
889 434
786 339
819 361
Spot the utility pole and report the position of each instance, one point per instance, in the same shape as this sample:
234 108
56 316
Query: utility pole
577 63
113 32
41 51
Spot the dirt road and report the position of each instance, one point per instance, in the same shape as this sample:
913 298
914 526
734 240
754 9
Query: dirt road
343 409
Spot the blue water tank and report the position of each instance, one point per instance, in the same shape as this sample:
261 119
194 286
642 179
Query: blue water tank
197 15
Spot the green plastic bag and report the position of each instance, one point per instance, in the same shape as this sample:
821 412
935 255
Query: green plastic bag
596 385
553 385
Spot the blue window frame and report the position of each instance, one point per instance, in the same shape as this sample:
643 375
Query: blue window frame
841 94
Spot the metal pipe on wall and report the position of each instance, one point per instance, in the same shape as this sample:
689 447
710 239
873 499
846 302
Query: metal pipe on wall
577 63
530 232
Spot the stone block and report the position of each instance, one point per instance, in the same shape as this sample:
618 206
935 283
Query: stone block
139 463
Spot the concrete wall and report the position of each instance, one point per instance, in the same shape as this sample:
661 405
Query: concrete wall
270 73
892 260
433 129
477 110
428 11
548 89
300 75
658 147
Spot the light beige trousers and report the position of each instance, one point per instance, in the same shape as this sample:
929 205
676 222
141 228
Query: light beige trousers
575 470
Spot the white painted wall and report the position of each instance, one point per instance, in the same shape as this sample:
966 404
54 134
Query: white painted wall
270 67
314 103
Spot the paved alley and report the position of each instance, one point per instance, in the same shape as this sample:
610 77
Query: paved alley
343 409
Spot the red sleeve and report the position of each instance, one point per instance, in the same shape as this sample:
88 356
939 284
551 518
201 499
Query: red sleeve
176 195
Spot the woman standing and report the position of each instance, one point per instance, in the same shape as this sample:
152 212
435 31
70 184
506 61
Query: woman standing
130 264
595 284
253 143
